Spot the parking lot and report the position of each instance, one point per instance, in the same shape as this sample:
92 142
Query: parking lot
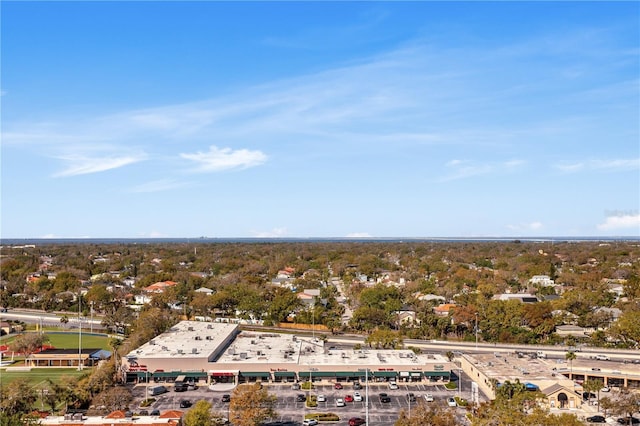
290 409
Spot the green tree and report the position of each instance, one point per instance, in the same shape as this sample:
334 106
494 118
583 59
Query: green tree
251 405
593 386
570 356
18 398
28 343
427 415
199 415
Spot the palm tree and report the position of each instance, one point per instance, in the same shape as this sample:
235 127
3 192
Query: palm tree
570 356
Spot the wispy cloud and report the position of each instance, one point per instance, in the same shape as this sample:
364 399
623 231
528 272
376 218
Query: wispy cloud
274 233
159 186
359 235
462 169
532 226
219 159
615 165
82 165
623 221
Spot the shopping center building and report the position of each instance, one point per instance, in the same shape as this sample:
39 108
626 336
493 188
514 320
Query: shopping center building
220 352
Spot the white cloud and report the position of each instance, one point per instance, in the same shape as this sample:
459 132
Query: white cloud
274 233
602 165
359 235
224 159
624 221
81 164
158 186
522 227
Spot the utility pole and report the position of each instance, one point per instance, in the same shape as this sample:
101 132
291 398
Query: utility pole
476 331
79 330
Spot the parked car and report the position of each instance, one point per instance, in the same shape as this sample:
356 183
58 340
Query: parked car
295 386
310 422
596 419
348 398
428 397
628 421
226 398
143 413
301 397
357 386
356 421
337 386
605 389
411 397
384 398
185 403
155 412
357 397
393 385
340 402
321 398
451 402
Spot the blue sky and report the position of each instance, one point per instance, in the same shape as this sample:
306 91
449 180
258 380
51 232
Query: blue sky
303 119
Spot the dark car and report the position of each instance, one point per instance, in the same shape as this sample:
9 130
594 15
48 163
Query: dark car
356 421
181 387
628 421
357 386
143 413
155 412
411 397
596 419
586 395
384 398
301 397
226 397
185 403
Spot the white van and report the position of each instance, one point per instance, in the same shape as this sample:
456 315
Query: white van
541 354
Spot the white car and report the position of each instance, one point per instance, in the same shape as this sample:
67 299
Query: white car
393 385
605 389
428 397
321 398
357 397
310 422
602 357
451 402
340 402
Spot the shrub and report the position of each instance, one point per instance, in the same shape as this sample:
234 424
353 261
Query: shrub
147 402
451 386
323 417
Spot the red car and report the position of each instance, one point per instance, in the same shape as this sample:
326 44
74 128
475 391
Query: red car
348 398
356 421
337 386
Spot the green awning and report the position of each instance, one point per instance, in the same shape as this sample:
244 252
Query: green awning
349 373
165 374
385 373
306 374
437 373
263 374
284 374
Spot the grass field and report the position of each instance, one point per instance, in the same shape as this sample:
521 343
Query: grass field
38 376
62 340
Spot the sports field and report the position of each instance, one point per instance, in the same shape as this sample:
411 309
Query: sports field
37 376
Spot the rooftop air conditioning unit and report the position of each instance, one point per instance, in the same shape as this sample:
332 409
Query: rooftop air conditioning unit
208 337
152 342
209 326
180 351
190 328
194 350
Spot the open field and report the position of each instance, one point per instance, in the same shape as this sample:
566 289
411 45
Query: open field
38 376
61 340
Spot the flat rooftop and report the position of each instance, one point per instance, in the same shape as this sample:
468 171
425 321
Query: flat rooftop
272 348
504 366
187 339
